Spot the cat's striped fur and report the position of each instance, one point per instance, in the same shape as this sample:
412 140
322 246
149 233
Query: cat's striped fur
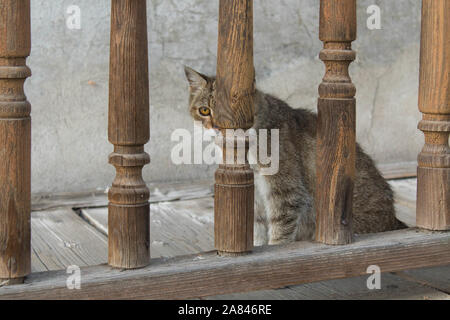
284 206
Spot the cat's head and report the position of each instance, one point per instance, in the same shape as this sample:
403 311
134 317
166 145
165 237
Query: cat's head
202 97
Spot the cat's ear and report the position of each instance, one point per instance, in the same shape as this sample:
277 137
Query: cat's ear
196 79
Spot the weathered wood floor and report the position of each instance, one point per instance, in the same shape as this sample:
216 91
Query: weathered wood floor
72 230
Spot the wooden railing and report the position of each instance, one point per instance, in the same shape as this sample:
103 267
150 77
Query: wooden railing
128 131
234 190
433 174
15 141
336 124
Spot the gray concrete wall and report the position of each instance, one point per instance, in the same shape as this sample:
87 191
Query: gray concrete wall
69 86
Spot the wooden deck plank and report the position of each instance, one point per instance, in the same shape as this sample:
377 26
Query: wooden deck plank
405 200
392 287
436 277
405 190
398 170
99 198
36 264
266 268
176 228
197 217
61 238
405 214
171 191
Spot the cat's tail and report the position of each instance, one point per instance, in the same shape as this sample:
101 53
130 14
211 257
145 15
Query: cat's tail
399 225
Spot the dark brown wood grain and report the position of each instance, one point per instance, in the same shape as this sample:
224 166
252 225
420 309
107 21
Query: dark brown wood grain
234 188
267 267
433 173
15 141
336 124
233 209
128 131
235 70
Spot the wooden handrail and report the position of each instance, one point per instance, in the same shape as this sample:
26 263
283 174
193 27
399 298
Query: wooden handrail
128 131
234 188
336 124
433 173
15 141
268 267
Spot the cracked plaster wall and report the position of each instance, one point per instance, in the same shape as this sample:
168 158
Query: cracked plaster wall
69 86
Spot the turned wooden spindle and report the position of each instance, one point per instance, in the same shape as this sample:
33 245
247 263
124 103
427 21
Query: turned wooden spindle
234 188
128 131
15 142
433 173
335 161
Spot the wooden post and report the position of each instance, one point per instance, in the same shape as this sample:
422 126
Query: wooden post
433 173
128 131
234 188
15 142
336 148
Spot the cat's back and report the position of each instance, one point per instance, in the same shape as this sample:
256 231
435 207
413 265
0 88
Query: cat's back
373 202
277 112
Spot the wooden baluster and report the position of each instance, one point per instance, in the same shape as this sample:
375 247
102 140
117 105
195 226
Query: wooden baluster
433 173
335 162
15 142
128 131
234 188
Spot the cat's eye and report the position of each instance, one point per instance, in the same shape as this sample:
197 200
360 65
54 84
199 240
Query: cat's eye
204 111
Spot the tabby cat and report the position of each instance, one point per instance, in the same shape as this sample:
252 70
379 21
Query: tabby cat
284 203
